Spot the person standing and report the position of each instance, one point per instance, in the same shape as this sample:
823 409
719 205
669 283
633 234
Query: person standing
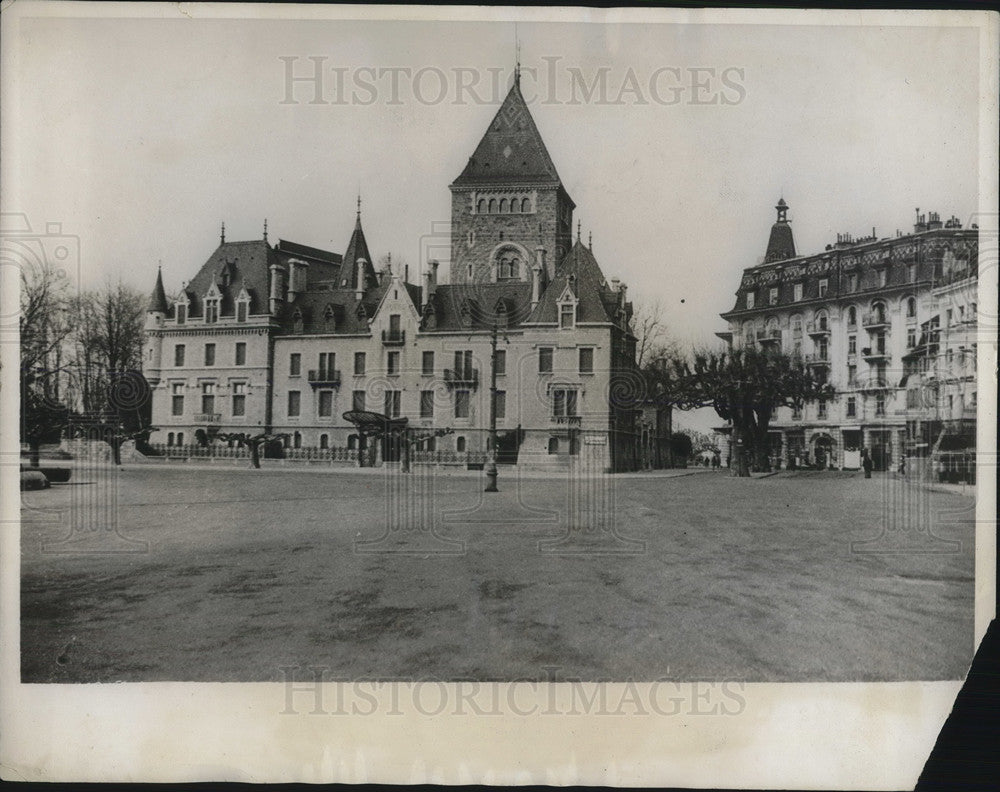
866 463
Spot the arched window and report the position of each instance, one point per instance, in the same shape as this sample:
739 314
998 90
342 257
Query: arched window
297 323
324 441
298 439
821 320
329 319
170 438
911 307
508 264
525 205
493 205
460 444
352 442
503 206
553 445
852 316
180 438
481 206
878 311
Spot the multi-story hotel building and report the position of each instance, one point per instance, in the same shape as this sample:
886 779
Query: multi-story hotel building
284 338
857 314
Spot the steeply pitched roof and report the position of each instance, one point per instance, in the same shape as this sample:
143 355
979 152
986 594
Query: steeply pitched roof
511 150
480 300
357 248
579 269
158 299
248 266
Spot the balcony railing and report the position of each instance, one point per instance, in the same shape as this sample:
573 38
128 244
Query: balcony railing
872 321
875 383
769 336
817 328
318 377
874 353
461 377
208 417
567 420
817 359
393 337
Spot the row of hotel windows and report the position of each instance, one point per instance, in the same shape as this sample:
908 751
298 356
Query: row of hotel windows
327 361
564 402
823 286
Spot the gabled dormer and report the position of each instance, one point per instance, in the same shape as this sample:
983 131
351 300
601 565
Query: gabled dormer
243 305
567 304
396 312
212 299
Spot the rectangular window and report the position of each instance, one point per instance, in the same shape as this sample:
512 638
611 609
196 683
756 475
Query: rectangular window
392 363
461 404
392 403
883 276
880 405
208 398
500 404
852 345
948 315
209 354
852 375
179 355
294 404
241 353
911 337
177 399
586 360
358 401
463 364
852 282
294 364
821 409
824 286
911 273
797 292
501 362
852 407
241 311
211 311
567 315
750 300
772 295
563 402
325 403
327 364
359 364
182 311
427 367
239 398
545 360
427 404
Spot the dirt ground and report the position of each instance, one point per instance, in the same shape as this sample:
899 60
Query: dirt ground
180 574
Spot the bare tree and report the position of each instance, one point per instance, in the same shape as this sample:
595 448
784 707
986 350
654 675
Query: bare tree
653 340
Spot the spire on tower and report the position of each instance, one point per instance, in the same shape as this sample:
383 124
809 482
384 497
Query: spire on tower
222 234
265 229
577 230
517 58
590 240
358 217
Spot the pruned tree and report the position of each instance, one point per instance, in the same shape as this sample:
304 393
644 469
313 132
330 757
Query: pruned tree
745 386
653 340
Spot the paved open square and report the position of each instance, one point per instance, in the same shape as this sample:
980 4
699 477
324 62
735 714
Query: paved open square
231 574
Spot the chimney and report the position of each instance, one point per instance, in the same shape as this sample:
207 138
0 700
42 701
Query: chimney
359 289
296 278
406 273
544 275
622 291
615 283
277 297
536 284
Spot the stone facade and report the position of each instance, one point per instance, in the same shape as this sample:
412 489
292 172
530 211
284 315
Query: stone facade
854 313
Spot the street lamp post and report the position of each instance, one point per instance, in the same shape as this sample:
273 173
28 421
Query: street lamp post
491 462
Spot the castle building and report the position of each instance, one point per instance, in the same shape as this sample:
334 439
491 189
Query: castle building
287 338
864 316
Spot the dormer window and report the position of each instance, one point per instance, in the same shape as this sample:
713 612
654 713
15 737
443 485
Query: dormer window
211 310
180 310
329 319
297 324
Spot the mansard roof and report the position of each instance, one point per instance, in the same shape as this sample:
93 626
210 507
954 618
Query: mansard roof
511 150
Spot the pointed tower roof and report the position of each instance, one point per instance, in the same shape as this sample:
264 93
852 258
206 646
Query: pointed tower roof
512 149
780 245
158 299
357 248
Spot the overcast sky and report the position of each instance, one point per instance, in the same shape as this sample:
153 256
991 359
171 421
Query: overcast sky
140 136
